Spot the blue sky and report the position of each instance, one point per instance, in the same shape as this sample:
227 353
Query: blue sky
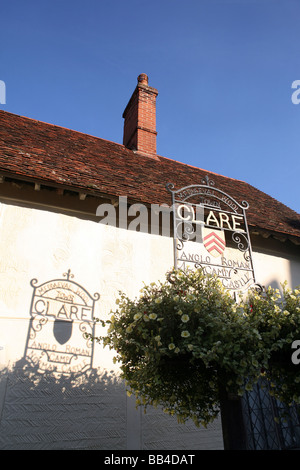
223 68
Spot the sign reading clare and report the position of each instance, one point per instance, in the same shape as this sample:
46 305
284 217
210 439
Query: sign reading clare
211 232
61 313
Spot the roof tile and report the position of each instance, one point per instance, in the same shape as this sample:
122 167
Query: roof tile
54 155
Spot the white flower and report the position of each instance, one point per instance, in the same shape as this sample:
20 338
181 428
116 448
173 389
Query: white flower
171 346
190 297
158 300
185 318
185 334
152 316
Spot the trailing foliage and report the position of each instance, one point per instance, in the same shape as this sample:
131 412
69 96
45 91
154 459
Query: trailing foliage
184 338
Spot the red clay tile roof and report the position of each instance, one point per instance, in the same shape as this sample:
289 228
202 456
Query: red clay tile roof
53 155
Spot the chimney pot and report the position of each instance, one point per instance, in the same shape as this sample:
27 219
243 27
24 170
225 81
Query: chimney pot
143 79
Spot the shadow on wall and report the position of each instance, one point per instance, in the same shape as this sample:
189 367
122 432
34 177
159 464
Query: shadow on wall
45 411
53 398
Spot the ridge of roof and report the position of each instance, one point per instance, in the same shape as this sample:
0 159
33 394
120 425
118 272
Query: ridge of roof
38 121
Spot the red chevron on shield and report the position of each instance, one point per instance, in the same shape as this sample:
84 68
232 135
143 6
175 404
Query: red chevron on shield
214 241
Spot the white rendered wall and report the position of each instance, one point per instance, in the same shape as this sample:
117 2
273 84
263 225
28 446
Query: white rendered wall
47 412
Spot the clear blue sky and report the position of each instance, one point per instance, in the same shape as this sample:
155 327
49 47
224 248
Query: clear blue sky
223 69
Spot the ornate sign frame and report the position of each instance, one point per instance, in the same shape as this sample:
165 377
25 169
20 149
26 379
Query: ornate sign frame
205 214
61 312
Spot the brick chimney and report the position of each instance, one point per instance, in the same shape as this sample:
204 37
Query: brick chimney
140 119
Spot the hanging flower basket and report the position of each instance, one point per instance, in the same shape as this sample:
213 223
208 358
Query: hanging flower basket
181 339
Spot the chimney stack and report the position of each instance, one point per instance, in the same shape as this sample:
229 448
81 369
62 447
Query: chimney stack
140 119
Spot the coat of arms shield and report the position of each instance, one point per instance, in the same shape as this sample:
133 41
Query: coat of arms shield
214 241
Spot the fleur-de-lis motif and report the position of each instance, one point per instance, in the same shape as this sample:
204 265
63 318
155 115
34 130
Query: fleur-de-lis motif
206 180
68 274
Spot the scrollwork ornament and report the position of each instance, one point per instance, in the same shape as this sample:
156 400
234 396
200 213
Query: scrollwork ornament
199 266
179 244
188 231
241 240
184 230
171 277
245 205
33 282
170 187
37 324
84 327
259 288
